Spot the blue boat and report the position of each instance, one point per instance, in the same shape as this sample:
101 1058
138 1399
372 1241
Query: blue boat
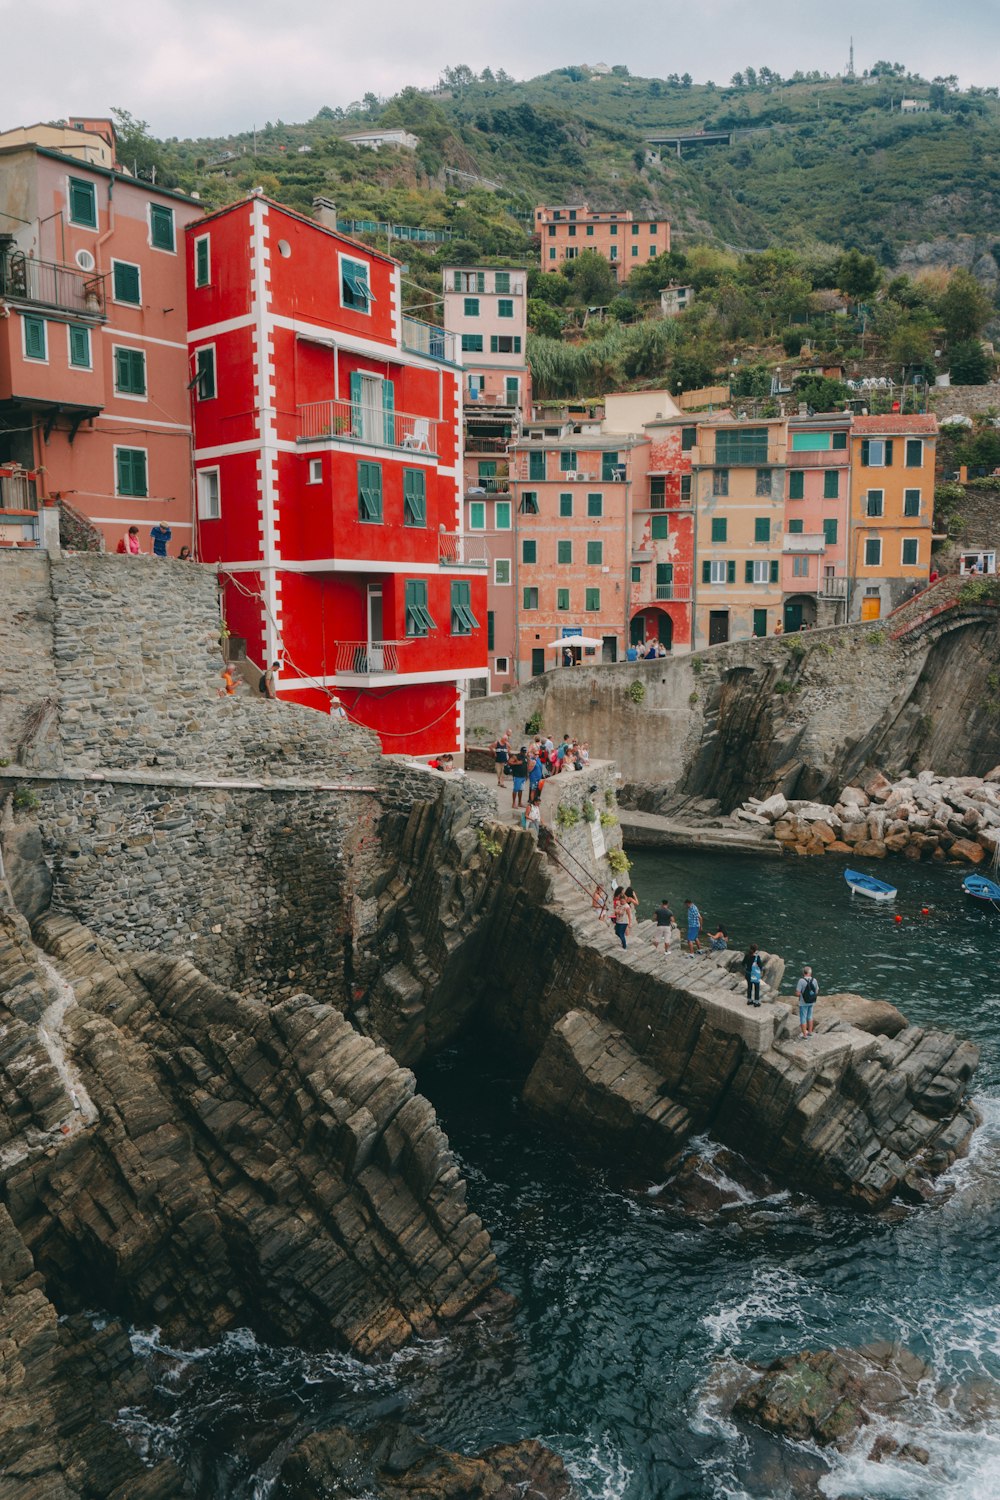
981 889
867 885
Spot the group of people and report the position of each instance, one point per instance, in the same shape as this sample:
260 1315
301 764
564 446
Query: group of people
159 536
646 651
530 766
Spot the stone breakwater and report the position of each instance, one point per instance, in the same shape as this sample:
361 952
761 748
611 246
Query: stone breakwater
954 818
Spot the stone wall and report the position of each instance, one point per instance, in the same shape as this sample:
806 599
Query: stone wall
973 525
963 400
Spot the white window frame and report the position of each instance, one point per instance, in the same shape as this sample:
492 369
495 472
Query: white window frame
33 358
913 490
206 349
497 526
206 512
501 666
869 542
315 471
875 515
89 366
880 462
200 239
906 443
717 572
902 546
498 564
160 249
473 511
130 448
354 260
129 395
135 267
761 572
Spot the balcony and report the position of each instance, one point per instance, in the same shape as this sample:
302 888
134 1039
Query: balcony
350 422
833 588
487 401
358 659
743 455
497 484
801 541
458 550
17 492
619 473
44 283
477 442
429 340
664 591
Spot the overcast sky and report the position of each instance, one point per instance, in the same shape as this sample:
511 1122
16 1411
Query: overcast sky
209 67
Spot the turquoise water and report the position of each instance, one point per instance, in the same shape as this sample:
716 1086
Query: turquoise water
624 1309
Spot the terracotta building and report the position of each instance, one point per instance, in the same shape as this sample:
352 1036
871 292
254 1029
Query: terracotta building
814 566
94 402
329 474
892 505
622 238
662 580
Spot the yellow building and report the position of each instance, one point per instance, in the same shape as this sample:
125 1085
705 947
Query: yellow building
892 508
738 485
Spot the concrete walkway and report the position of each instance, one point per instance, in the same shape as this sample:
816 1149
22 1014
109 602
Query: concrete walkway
555 788
642 830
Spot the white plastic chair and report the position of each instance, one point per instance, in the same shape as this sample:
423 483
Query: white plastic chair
419 438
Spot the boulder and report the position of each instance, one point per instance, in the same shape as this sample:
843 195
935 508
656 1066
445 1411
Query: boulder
870 849
785 831
773 807
968 852
876 824
877 1017
852 832
823 832
838 847
813 812
808 1398
878 787
853 796
896 842
993 775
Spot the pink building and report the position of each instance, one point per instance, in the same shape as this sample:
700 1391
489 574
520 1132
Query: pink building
94 371
661 580
815 547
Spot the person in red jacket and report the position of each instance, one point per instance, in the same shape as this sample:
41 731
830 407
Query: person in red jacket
129 543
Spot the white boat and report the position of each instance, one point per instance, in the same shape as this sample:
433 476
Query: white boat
866 885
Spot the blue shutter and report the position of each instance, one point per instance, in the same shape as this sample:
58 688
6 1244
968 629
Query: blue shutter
388 405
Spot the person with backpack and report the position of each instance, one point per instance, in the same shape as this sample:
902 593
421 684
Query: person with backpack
753 971
268 685
807 990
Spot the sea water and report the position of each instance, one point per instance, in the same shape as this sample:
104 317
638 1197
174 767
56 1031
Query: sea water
630 1314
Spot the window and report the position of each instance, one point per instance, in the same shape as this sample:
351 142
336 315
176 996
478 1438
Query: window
592 599
35 342
536 465
715 572
741 445
130 472
529 599
595 505
874 502
840 440
490 630
501 515
911 502
125 283
614 229
873 552
914 458
370 494
659 528
562 599
572 230
635 249
552 250
762 529
472 343
79 347
528 505
564 552
355 291
529 550
477 515
636 575
685 486
414 497
130 372
161 227
796 485
876 453
720 481
595 554
204 369
761 572
419 620
800 566
657 492
315 471
614 250
501 666
831 484
565 505
501 570
795 528
720 526
208 495
463 621
82 203
202 260
911 552
590 229
505 308
470 307
512 390
811 442
635 229
830 533
763 482
503 343
664 580
611 468
501 281
689 436
567 461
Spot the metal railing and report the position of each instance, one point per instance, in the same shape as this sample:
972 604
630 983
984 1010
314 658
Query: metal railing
457 549
475 443
618 473
741 455
664 591
367 658
355 422
429 340
498 484
24 279
17 492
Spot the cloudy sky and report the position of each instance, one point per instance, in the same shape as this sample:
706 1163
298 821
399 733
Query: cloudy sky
207 67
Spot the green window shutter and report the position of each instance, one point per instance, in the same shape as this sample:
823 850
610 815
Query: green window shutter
517 344
760 622
414 497
470 307
609 467
595 554
796 484
562 598
840 439
730 572
595 505
888 453
79 347
463 621
865 452
774 569
202 261
34 338
388 412
689 436
502 515
501 281
529 551
911 550
126 283
659 528
369 492
477 515
529 599
205 368
719 528
592 599
83 203
830 533
480 281
831 484
490 630
911 502
130 372
664 574
748 572
356 417
706 572
795 528
493 343
161 226
536 465
131 472
564 552
505 308
762 529
457 284
565 505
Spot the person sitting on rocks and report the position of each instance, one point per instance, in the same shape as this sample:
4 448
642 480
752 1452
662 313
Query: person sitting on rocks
718 941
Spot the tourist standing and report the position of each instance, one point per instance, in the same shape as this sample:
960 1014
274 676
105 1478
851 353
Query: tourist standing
753 972
807 990
501 755
693 926
623 917
160 536
268 684
664 919
519 775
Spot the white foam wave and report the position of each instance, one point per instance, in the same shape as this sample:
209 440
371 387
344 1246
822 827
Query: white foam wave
596 1466
774 1297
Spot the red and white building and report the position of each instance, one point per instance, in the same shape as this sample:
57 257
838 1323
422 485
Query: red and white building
328 468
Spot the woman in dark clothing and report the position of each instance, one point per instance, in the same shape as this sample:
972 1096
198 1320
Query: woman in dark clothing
752 970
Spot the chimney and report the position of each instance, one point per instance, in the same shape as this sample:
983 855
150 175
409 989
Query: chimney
325 212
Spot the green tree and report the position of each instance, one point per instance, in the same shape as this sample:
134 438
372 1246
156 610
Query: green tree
822 394
646 282
970 364
964 308
544 319
591 279
911 344
858 275
137 149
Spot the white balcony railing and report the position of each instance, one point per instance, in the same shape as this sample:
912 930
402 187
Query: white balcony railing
427 339
803 541
367 658
356 422
459 550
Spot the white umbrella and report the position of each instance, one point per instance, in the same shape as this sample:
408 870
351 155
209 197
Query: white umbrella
574 640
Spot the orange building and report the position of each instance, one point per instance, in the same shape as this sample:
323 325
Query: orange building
622 238
94 373
892 504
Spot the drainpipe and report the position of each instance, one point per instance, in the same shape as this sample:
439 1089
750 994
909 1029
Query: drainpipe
515 535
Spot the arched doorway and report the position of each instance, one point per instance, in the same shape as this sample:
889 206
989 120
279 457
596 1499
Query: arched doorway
652 624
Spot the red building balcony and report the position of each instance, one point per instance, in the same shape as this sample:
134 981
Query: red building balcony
352 422
46 284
